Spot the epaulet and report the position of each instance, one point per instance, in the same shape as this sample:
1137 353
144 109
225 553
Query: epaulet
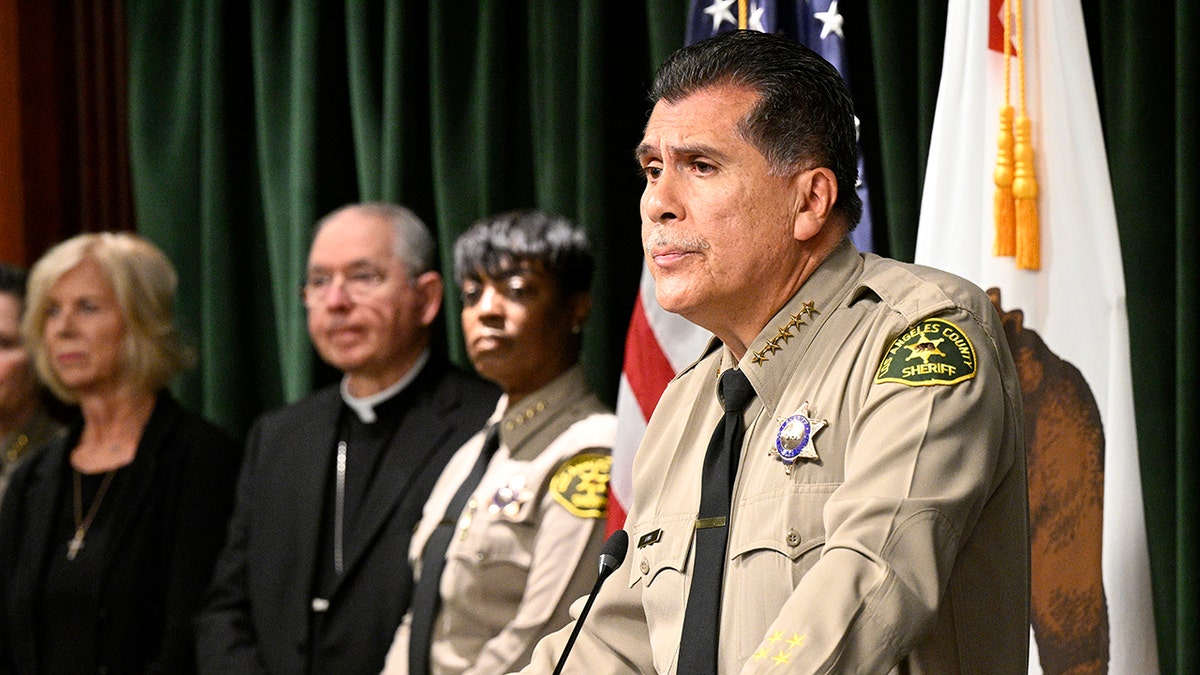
713 345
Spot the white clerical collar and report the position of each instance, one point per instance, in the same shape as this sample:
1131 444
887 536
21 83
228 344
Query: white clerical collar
364 406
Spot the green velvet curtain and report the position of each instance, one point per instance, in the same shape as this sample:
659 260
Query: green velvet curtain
251 120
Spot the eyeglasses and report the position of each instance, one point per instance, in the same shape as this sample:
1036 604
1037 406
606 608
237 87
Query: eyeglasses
358 283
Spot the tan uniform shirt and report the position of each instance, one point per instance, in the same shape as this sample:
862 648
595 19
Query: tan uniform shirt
899 544
528 541
21 444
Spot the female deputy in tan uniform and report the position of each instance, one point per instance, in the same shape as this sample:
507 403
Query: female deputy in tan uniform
513 528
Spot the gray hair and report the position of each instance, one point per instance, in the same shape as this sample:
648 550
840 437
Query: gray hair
411 239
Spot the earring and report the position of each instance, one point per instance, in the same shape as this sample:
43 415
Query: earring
576 330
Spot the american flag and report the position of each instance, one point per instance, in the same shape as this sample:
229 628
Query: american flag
659 343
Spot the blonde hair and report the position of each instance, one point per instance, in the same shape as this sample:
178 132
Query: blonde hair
143 282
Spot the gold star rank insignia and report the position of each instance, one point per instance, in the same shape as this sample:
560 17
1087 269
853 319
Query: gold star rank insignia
783 334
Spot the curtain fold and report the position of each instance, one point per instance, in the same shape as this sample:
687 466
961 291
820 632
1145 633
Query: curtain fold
196 195
1186 589
247 123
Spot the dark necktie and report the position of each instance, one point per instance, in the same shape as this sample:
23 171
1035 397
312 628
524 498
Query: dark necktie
702 618
427 599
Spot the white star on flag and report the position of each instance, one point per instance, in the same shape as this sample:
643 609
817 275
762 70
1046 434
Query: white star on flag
719 11
755 22
832 21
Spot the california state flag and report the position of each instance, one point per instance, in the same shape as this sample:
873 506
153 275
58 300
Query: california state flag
1066 324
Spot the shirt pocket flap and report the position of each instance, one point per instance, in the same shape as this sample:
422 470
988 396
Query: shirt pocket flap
660 543
493 539
788 522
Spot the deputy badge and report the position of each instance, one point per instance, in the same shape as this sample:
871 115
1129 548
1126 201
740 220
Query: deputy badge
934 351
510 497
581 485
795 439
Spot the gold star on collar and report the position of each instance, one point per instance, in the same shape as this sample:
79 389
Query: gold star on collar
524 417
784 333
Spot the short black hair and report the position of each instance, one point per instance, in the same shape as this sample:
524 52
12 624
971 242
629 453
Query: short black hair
494 245
13 280
804 117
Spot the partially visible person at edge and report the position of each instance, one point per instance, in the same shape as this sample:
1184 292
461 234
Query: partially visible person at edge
314 577
519 540
109 535
25 423
877 521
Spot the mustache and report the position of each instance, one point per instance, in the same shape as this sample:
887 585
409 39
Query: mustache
682 241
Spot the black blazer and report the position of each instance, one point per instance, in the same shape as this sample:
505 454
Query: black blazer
259 616
173 509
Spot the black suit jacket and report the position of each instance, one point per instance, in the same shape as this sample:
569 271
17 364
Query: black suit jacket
173 508
259 617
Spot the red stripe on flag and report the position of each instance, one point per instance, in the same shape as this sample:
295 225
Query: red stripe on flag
616 515
646 366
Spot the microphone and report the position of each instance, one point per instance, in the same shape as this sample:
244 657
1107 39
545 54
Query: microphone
611 556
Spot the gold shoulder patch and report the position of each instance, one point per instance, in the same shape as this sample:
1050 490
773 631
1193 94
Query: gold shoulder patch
933 351
580 484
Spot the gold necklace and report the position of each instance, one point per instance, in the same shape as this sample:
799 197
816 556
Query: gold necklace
82 523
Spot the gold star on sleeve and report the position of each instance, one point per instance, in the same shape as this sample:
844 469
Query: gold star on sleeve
775 637
782 658
796 641
760 655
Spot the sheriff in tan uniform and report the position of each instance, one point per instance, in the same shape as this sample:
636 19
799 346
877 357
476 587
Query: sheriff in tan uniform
528 540
876 519
883 447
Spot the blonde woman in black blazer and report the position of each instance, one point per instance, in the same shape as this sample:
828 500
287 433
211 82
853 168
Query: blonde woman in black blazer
108 537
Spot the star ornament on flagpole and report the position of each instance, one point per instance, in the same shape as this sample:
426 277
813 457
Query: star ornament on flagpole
831 21
719 11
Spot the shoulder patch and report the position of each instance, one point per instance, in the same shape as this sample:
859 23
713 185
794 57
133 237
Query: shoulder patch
580 485
933 351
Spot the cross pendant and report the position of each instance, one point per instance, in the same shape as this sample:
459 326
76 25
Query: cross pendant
74 545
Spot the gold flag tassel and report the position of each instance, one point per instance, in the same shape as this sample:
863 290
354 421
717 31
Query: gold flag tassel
1005 215
1024 187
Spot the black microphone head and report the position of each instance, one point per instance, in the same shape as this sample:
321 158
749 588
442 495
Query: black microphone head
613 552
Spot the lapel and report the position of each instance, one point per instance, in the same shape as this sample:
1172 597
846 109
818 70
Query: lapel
427 421
313 433
141 479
